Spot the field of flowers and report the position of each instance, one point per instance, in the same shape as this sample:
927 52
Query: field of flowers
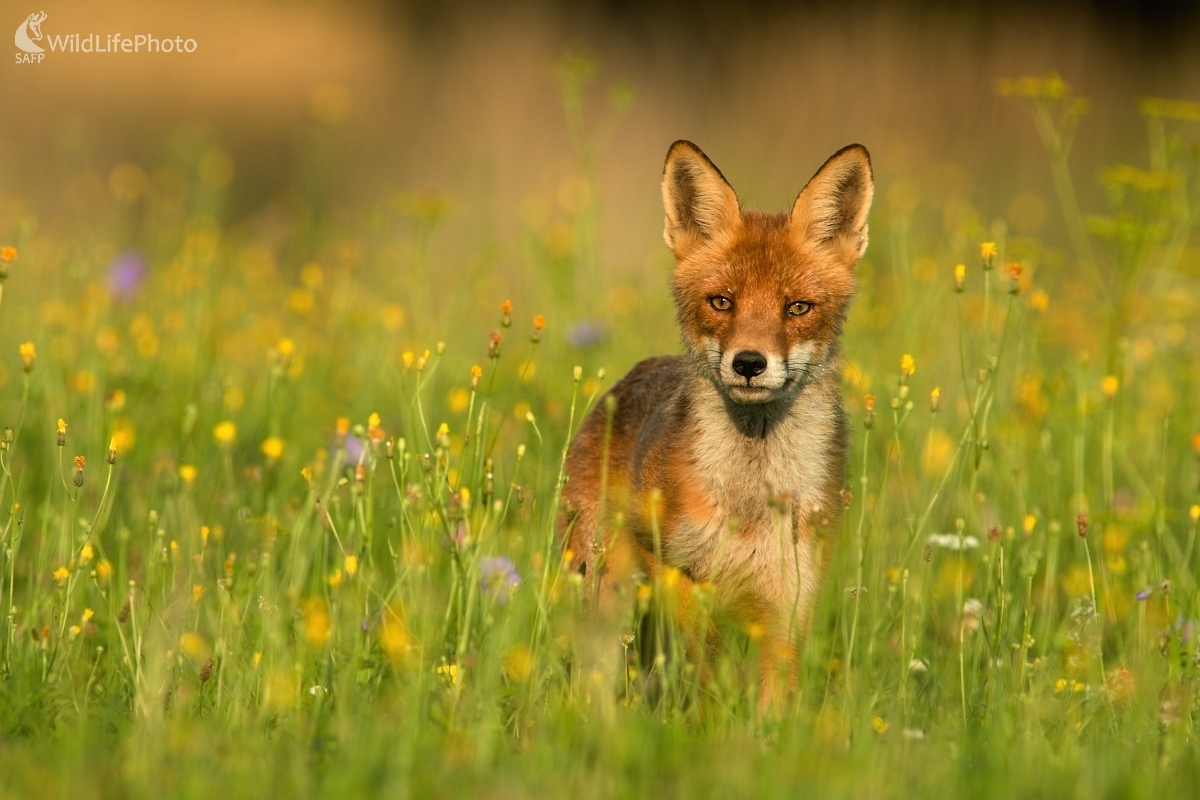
268 526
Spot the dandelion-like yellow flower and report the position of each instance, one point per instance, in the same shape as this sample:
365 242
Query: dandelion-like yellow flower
756 631
960 276
80 462
1029 523
8 254
879 724
335 578
187 473
272 448
317 625
197 593
225 433
539 322
74 630
1194 512
408 358
61 574
907 365
286 347
1039 300
506 307
987 250
342 426
1109 386
116 400
351 565
205 532
104 570
28 355
87 615
935 398
476 373
307 474
373 420
86 553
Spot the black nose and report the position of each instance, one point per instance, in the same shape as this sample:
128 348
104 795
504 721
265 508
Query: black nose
748 363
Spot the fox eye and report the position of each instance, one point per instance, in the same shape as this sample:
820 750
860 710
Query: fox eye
720 302
798 308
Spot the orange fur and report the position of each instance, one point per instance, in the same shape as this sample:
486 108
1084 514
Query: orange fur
728 463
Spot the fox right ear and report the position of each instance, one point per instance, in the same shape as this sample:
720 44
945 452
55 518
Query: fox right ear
699 202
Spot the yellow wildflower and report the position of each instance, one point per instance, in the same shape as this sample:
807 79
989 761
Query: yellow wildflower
1194 512
317 625
539 322
272 448
342 426
87 615
28 354
960 276
61 574
351 564
86 554
8 254
62 427
987 250
1039 300
197 592
75 630
187 473
307 474
935 398
205 531
225 433
879 724
286 347
907 365
449 672
1109 386
1029 523
104 569
335 578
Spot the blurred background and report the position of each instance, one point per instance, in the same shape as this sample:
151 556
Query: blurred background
516 150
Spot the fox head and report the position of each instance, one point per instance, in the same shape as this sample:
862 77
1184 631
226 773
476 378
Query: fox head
761 298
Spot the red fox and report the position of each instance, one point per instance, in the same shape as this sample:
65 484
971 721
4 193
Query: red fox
724 467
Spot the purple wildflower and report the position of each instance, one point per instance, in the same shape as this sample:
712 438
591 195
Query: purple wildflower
586 333
1144 594
125 274
498 575
354 448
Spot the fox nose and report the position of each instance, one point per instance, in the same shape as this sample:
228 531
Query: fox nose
749 363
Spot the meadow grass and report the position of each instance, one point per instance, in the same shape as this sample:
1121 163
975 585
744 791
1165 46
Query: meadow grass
265 529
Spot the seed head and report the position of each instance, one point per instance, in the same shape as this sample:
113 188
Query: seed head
1081 524
495 341
123 614
869 417
206 671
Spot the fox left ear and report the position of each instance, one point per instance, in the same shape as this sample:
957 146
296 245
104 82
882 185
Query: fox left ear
832 209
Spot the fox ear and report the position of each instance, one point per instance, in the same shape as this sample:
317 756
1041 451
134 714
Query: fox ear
832 209
699 202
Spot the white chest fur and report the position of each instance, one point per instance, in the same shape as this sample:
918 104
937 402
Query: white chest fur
760 488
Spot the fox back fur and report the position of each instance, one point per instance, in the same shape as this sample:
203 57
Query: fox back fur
726 464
